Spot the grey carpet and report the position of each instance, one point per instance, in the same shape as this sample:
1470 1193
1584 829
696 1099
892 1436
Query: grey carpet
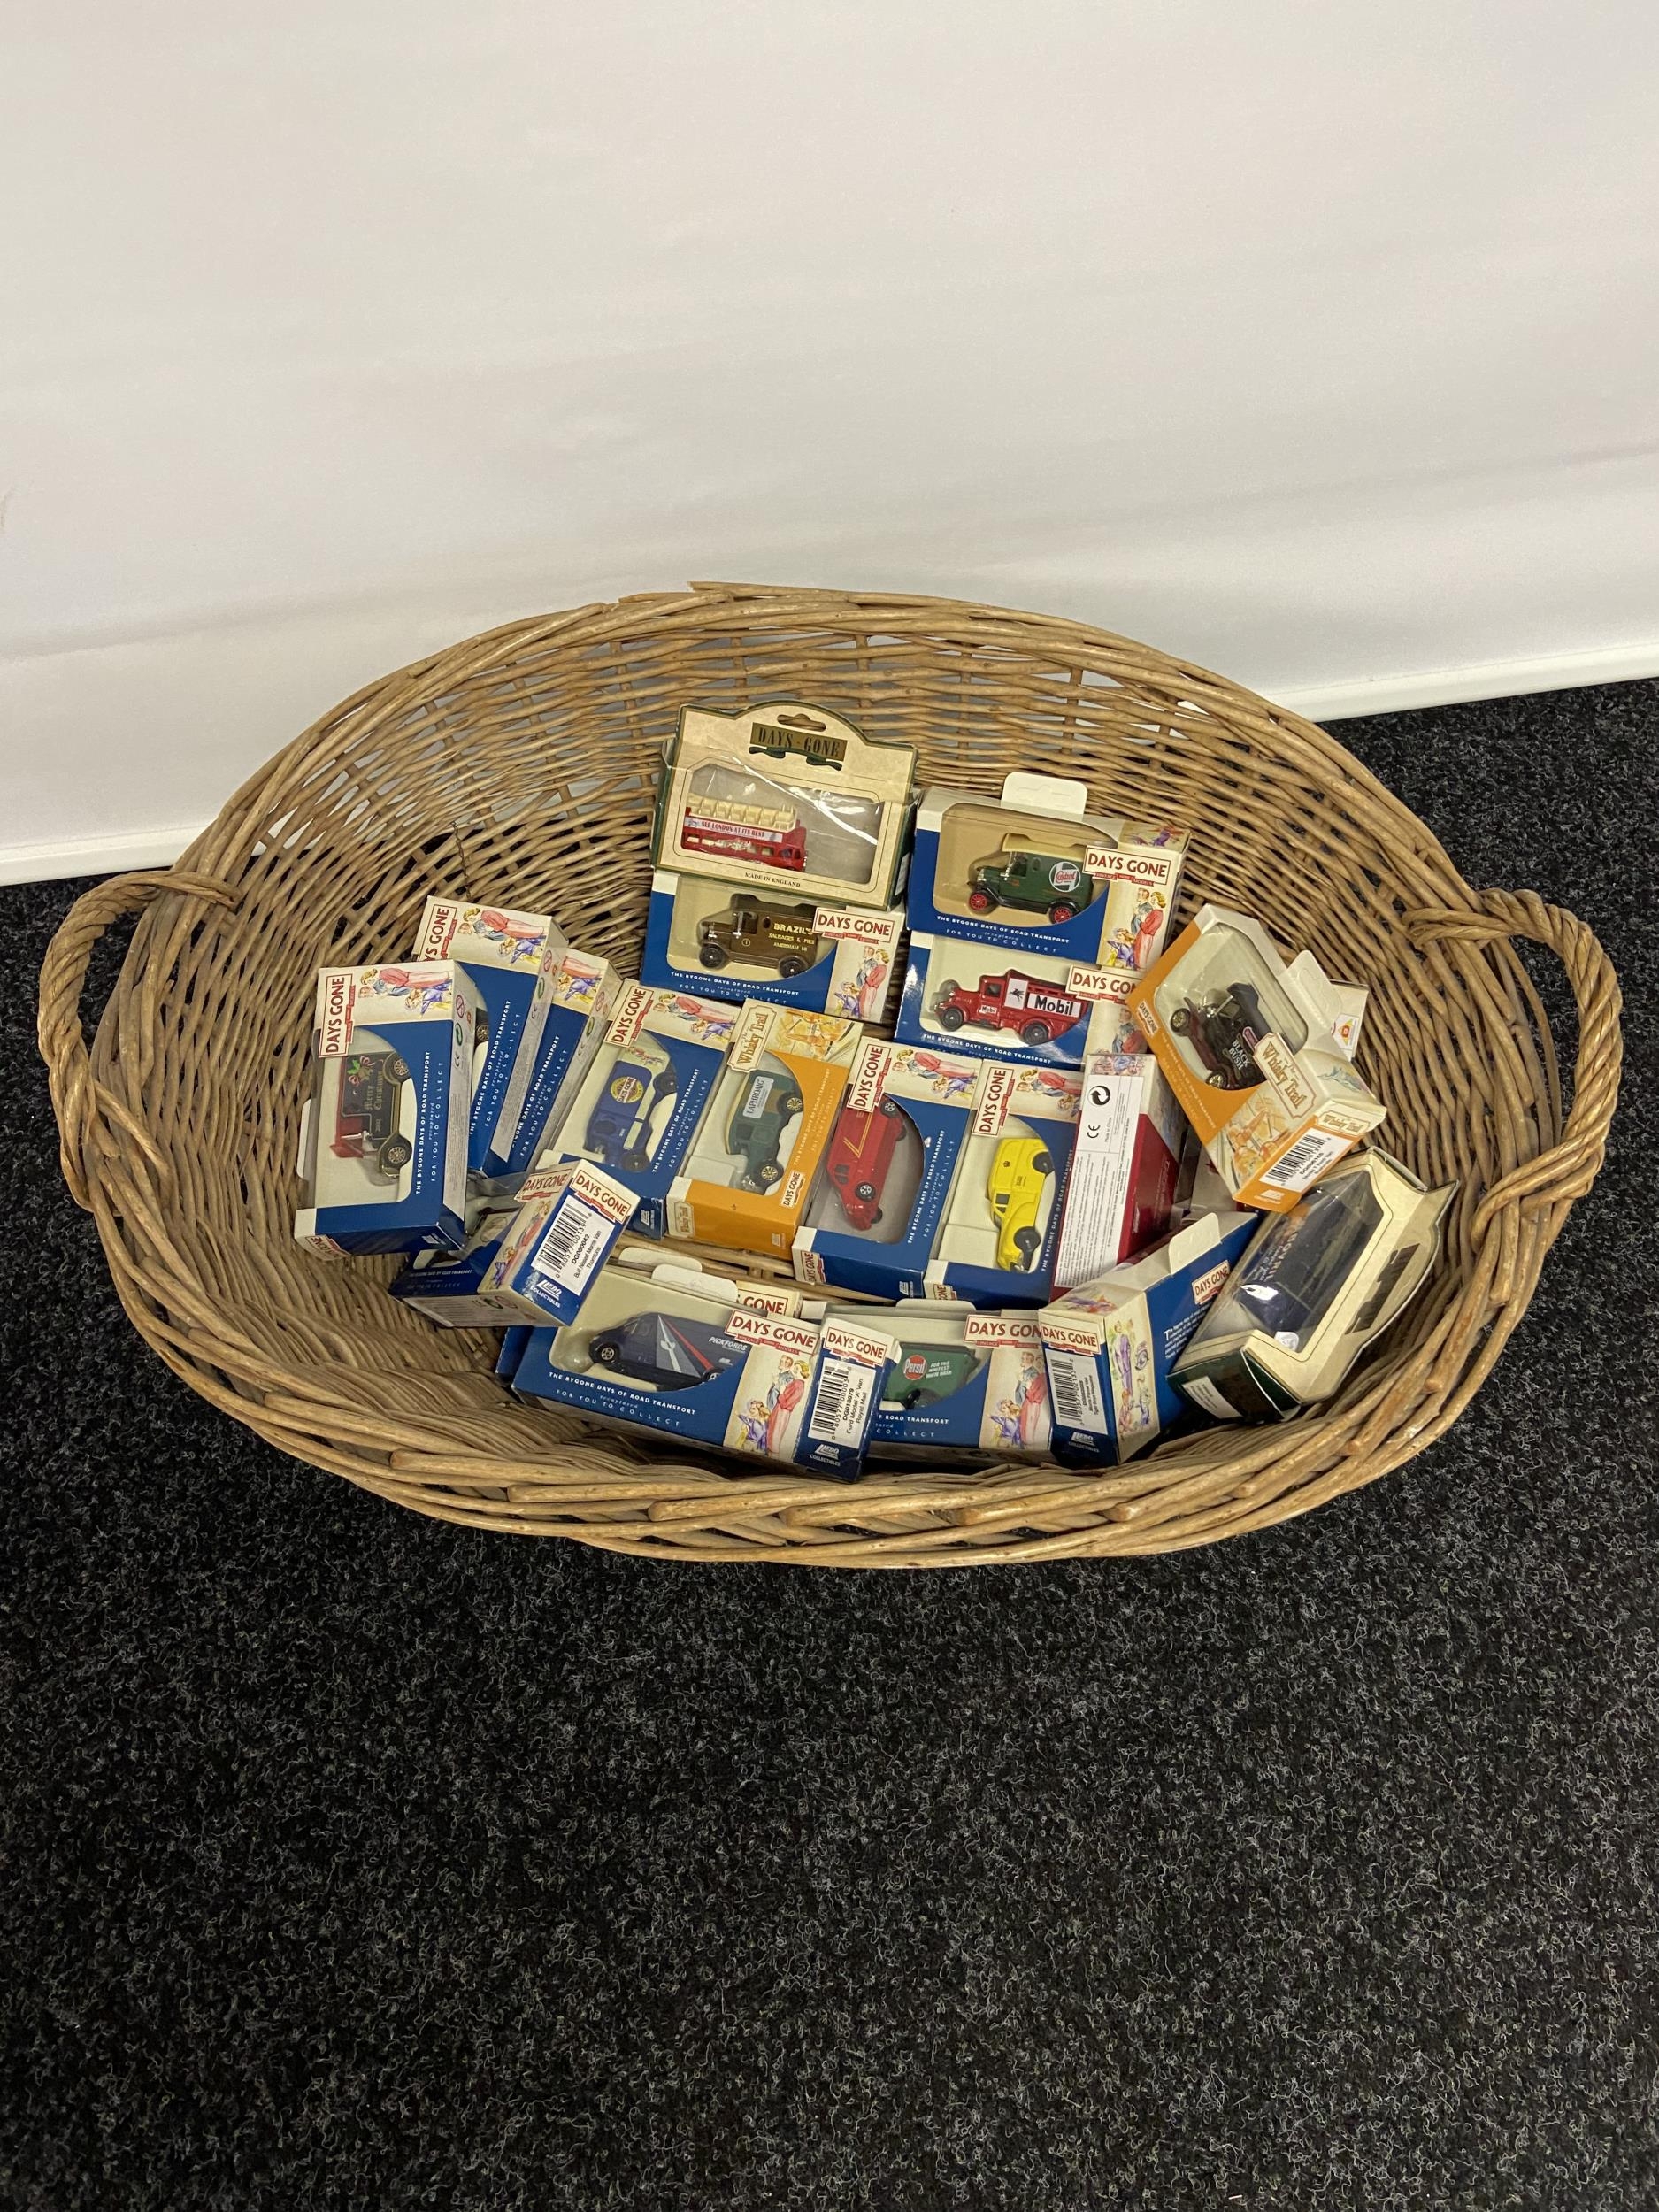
354 1862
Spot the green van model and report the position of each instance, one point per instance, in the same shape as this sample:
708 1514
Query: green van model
1055 884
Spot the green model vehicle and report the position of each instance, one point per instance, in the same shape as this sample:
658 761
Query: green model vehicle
755 1132
921 1374
1055 884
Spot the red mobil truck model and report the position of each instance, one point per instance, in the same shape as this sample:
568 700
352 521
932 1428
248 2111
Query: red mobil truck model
1039 1011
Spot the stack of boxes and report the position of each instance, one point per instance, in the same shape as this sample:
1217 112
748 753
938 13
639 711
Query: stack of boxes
1000 1177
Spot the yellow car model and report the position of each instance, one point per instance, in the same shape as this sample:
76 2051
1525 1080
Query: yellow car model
1020 1167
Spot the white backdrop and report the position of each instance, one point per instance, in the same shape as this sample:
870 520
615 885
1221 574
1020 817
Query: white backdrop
1316 342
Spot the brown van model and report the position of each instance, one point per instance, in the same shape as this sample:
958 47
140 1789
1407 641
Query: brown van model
766 935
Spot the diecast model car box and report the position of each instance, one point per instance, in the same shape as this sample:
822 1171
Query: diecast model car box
898 1141
531 1257
995 1246
1125 1166
637 1110
1257 1053
1034 871
691 1355
961 1384
728 941
579 998
447 1286
787 798
1318 1284
508 955
745 1182
1111 1345
993 1006
383 1136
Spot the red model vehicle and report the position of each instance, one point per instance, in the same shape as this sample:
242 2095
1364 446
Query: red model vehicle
860 1154
769 834
1039 1011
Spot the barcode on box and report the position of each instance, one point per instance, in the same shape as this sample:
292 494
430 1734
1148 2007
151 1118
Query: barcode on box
1075 1386
573 1246
840 1412
1306 1161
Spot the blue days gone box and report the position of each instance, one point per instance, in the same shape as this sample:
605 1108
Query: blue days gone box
889 1170
383 1135
507 955
682 1354
1111 1344
638 1108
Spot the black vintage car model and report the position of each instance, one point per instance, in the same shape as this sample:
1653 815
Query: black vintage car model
1224 1032
665 1349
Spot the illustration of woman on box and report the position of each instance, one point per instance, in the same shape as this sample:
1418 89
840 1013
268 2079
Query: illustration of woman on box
522 945
1018 1420
871 986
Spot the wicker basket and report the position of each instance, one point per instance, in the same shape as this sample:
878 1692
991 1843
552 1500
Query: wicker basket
520 766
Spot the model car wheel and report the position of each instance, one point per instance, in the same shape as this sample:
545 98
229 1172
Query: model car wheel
398 1070
949 1018
1027 1243
713 955
792 1104
1181 1020
1034 1033
910 1399
790 965
1044 1163
1216 1077
395 1153
866 1192
768 1174
1062 910
891 1108
981 901
606 1355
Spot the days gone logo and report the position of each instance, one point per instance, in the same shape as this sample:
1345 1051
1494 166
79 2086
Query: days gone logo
1070 1336
863 929
1278 1064
1000 1328
750 1326
999 1089
1131 867
869 1077
1208 1284
630 1015
604 1196
443 919
1098 982
859 1345
336 994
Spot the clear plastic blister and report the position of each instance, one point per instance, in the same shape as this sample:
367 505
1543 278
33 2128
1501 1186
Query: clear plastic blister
364 1117
873 1171
748 1137
742 813
1299 1263
1218 1003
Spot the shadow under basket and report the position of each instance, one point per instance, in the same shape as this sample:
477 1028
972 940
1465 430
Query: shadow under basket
521 767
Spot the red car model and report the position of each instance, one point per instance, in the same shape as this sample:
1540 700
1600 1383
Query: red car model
860 1154
1039 1011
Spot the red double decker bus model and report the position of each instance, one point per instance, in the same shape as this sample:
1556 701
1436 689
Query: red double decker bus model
769 834
1039 1011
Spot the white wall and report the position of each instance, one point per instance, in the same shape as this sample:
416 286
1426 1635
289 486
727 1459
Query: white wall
1316 341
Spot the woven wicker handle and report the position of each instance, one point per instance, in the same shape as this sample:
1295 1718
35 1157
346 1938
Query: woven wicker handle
1567 1169
79 1103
